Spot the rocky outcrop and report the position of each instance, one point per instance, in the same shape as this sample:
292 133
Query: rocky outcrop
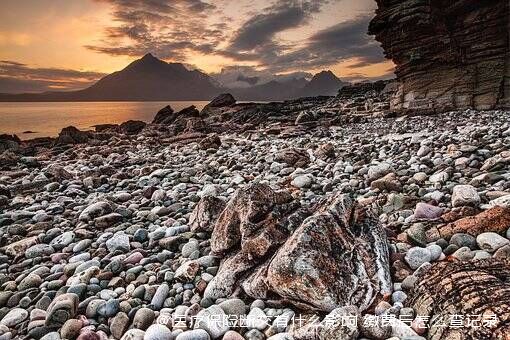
71 135
221 101
448 54
336 257
132 127
461 289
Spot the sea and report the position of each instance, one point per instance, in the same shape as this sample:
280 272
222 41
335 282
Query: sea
46 119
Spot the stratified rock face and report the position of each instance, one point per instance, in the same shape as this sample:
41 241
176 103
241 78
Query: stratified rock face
449 54
475 290
336 257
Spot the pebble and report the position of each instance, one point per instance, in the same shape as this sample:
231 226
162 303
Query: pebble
108 240
417 256
158 332
14 317
491 241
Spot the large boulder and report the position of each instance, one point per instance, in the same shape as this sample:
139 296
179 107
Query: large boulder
223 100
168 116
336 257
71 135
132 127
163 115
295 157
9 142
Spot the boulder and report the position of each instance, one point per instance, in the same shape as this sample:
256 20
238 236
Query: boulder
167 115
294 157
336 257
132 127
71 135
221 101
206 212
163 115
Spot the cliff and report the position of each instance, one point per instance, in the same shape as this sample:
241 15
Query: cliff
449 54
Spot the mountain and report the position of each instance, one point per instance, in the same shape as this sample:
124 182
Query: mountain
151 79
145 79
324 83
270 91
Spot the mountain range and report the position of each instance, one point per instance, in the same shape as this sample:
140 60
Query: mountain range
151 79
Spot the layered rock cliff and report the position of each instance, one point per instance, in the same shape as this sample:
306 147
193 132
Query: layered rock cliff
448 53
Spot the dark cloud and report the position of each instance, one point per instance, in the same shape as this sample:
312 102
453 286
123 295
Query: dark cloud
248 80
261 28
256 39
17 77
168 29
347 40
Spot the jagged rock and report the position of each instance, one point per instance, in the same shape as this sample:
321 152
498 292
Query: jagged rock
212 141
461 288
71 135
168 116
496 219
448 54
206 213
336 257
163 114
132 127
294 157
195 125
9 142
221 101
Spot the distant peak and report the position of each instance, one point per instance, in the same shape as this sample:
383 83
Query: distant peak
325 74
148 56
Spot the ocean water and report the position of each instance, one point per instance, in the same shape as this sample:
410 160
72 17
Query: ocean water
47 119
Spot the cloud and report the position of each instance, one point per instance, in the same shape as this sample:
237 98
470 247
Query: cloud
346 40
261 29
169 29
17 77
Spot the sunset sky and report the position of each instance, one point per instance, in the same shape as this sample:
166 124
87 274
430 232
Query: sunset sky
68 44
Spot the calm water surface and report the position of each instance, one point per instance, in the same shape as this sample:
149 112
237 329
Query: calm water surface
47 119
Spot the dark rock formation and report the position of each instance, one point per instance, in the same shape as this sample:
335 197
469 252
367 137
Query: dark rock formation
336 257
163 115
225 99
132 127
9 142
71 135
449 54
475 290
167 115
295 157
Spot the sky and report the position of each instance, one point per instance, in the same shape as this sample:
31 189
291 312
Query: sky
69 44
